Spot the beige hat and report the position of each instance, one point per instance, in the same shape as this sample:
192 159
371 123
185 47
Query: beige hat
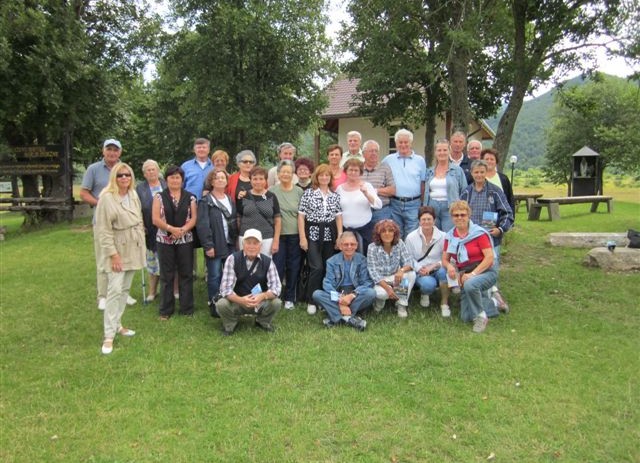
252 233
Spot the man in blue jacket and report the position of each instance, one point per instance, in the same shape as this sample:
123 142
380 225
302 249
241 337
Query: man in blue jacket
347 287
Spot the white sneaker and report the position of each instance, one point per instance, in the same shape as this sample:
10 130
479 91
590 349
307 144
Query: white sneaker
424 300
311 309
289 305
378 305
107 347
176 295
102 303
131 301
480 324
446 312
402 311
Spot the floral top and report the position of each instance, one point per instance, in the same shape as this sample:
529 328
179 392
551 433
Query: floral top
163 236
318 208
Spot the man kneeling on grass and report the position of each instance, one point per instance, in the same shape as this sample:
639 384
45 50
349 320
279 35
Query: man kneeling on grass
250 285
347 287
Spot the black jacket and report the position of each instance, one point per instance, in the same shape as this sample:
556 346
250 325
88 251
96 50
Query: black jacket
146 201
210 228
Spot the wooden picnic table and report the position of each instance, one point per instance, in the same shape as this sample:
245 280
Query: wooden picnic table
528 198
553 205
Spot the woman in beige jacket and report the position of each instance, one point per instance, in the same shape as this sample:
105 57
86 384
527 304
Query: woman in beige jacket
122 244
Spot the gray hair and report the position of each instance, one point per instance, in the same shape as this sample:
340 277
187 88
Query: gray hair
150 163
473 142
354 133
286 145
478 163
365 145
244 153
286 163
347 234
403 133
459 133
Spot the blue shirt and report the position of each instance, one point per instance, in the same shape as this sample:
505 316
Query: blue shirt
194 176
409 172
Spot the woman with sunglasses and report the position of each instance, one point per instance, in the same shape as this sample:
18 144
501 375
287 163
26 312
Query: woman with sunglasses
468 258
240 182
120 231
174 212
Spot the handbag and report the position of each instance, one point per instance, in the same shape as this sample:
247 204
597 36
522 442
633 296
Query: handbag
634 238
303 282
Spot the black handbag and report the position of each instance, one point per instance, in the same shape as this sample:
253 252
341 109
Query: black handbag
303 282
634 238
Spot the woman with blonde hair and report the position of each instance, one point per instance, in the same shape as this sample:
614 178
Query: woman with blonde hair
468 258
444 184
319 226
120 230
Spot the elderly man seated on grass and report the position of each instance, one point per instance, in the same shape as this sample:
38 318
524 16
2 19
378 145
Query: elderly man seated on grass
250 285
347 287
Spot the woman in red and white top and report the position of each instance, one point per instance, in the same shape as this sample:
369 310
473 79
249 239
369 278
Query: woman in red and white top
468 257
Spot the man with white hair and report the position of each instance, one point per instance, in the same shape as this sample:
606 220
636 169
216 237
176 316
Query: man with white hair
380 177
457 156
474 149
409 172
250 285
354 138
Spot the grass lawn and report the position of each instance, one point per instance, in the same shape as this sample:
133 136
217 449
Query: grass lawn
556 380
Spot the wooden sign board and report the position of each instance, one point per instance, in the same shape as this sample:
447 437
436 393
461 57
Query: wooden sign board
32 160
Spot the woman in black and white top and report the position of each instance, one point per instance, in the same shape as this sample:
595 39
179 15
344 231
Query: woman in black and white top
260 209
319 225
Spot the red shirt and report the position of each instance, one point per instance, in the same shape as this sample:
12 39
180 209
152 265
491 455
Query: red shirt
474 248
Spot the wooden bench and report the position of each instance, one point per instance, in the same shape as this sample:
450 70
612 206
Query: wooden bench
553 205
528 198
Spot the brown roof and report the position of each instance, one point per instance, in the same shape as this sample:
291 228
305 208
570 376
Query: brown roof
341 95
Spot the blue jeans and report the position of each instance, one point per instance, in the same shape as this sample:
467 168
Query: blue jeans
405 214
287 261
214 273
443 218
474 297
429 283
361 302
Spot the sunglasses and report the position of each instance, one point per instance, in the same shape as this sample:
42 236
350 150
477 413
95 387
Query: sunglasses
124 174
457 216
247 161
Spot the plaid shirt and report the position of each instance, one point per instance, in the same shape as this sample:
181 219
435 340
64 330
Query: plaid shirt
229 277
381 264
490 198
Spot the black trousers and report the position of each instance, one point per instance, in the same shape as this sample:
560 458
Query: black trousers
176 259
317 255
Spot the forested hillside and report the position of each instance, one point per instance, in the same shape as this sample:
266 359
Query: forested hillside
529 137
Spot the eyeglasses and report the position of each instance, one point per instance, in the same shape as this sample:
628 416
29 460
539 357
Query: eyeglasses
457 216
123 174
247 161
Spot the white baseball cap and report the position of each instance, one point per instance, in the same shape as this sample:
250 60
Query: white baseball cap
112 141
252 233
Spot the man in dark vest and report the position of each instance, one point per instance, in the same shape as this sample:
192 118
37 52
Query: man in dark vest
250 285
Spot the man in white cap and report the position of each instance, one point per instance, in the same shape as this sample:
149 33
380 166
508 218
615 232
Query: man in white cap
94 181
250 285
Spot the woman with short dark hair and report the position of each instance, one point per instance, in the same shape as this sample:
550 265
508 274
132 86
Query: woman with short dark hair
175 212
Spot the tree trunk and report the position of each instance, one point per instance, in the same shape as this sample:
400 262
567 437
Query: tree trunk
458 66
431 113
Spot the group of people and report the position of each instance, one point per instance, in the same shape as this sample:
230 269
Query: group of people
368 230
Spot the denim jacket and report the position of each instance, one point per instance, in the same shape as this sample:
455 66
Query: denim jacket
335 273
456 183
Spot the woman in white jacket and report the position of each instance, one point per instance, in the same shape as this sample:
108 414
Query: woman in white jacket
122 245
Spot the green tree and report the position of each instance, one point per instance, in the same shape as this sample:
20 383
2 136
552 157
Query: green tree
413 61
603 115
245 73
